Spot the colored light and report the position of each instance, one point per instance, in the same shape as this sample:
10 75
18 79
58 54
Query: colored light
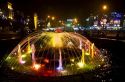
72 60
28 46
48 24
23 56
92 50
64 72
53 18
8 57
80 44
10 10
12 68
104 7
10 6
68 25
20 55
83 58
56 40
80 64
59 68
35 20
55 54
36 66
75 20
33 53
87 53
46 60
48 16
22 62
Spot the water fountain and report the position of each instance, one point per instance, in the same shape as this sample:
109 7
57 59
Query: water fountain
55 54
60 61
20 55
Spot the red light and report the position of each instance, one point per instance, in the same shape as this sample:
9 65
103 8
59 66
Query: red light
46 60
36 66
58 30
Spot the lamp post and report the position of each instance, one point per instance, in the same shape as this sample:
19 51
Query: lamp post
104 8
49 21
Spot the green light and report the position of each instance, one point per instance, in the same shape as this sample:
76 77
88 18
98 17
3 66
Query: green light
24 55
8 57
68 25
87 53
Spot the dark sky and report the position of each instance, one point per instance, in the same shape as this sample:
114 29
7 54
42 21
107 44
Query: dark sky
67 8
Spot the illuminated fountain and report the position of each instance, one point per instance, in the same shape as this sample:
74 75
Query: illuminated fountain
92 50
55 54
82 62
33 54
80 44
20 56
60 61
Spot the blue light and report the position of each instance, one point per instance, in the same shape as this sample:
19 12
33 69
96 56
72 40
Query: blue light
59 68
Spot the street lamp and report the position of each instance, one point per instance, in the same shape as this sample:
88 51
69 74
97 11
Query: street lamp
104 7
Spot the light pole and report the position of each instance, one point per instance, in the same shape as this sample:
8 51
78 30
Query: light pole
49 21
104 8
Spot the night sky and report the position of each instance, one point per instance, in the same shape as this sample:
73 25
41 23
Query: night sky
66 8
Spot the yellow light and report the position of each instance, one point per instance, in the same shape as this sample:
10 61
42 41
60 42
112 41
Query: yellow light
87 53
64 72
89 48
75 20
83 58
103 60
48 25
72 60
53 18
80 64
48 16
56 40
10 6
10 11
29 50
35 20
36 66
23 56
12 68
28 47
20 55
92 50
104 7
10 15
60 21
8 57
